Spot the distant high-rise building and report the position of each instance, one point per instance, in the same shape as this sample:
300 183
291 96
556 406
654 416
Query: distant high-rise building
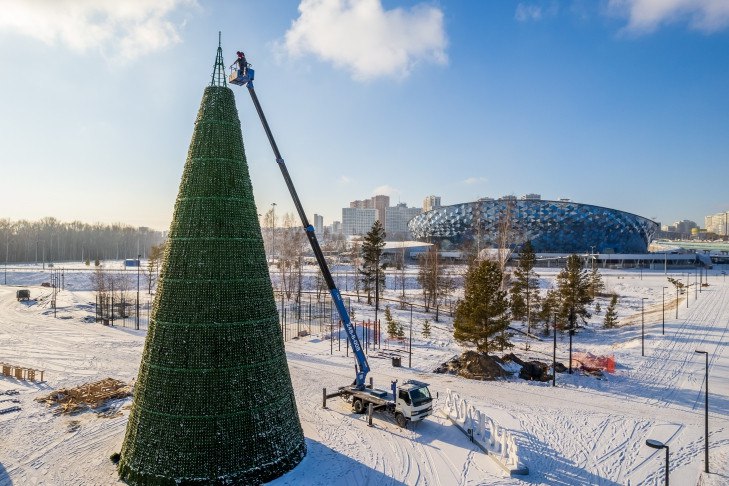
361 204
396 226
336 227
685 226
381 203
717 223
358 221
319 224
431 202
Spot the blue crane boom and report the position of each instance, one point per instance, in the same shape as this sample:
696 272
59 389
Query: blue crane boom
246 79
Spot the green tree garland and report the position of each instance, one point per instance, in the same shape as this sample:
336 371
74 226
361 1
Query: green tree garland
213 402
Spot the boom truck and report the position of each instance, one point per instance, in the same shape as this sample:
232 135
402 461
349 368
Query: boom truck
409 402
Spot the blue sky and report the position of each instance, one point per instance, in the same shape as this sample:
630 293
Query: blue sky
618 103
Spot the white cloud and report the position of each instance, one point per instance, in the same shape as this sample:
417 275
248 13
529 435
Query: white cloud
526 12
645 16
125 30
474 180
385 191
367 40
345 179
534 12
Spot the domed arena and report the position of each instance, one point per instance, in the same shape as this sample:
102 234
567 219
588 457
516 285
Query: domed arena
552 226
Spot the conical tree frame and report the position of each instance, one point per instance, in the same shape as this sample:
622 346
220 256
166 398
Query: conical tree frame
213 402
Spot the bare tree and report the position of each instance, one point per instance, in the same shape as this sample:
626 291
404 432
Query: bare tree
290 248
356 258
269 222
153 264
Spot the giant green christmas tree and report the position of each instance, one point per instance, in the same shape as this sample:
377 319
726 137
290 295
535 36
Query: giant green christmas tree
213 403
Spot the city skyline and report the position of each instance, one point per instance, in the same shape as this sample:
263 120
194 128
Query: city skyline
618 104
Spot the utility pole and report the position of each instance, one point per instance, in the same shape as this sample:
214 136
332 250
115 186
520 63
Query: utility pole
664 310
410 344
273 232
554 353
139 256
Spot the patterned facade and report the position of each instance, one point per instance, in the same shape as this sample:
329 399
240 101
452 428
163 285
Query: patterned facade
552 226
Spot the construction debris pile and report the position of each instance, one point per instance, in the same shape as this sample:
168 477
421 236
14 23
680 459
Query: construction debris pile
87 396
475 366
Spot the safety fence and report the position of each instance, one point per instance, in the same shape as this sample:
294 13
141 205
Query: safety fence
497 442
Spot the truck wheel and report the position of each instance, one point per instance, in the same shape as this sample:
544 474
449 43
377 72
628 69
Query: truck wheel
358 406
401 420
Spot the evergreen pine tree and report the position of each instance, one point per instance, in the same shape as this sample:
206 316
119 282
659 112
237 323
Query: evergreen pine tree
426 329
596 283
481 318
372 245
598 308
400 331
391 324
573 291
525 287
548 309
611 315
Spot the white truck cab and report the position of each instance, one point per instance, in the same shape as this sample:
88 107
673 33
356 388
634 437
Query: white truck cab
412 402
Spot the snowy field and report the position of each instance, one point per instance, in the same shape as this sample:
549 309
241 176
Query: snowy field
584 431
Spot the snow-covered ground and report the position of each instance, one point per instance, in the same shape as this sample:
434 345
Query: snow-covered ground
584 431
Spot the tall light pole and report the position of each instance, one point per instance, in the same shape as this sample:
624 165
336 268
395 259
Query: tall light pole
138 265
273 232
696 284
554 353
410 343
657 444
7 252
664 311
677 280
642 326
706 412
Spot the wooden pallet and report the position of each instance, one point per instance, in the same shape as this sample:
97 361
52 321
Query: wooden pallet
21 372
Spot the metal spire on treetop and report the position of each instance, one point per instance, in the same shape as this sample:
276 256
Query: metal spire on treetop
218 77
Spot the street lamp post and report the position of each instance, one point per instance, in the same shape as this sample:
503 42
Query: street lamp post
642 326
554 353
572 318
410 343
706 412
7 252
664 311
657 444
677 300
273 232
138 265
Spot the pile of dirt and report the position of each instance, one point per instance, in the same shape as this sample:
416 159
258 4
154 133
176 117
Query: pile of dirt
534 370
87 396
475 366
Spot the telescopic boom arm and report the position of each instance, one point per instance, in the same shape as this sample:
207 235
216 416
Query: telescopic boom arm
364 367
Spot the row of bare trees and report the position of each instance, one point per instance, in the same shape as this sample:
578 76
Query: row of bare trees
51 240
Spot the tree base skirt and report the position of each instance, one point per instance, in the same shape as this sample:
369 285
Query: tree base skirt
255 476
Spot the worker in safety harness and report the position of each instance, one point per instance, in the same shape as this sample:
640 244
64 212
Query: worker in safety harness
241 62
